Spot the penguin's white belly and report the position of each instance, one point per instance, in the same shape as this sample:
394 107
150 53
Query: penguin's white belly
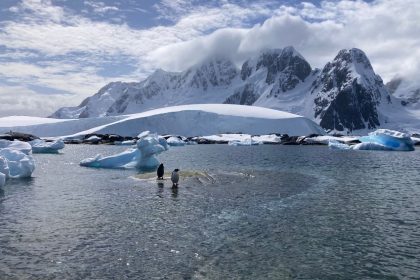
175 177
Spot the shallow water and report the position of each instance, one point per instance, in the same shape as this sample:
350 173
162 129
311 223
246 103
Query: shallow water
269 212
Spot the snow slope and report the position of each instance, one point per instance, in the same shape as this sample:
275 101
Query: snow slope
187 120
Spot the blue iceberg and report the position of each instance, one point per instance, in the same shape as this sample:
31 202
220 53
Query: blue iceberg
379 140
142 157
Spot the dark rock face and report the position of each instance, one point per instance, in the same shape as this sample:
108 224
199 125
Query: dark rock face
18 136
216 72
246 96
348 93
393 85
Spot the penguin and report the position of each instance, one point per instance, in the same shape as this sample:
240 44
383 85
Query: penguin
160 172
175 178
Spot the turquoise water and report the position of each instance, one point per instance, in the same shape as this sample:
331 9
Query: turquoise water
263 212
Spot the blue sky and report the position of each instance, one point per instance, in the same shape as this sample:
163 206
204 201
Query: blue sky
55 53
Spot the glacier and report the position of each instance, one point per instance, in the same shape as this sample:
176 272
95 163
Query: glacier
187 120
142 157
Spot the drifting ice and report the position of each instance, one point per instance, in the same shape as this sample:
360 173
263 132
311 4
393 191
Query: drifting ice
380 140
15 160
141 157
41 146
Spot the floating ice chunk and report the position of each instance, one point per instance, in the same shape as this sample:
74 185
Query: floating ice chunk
125 143
372 146
143 134
163 142
2 179
270 138
243 142
175 141
20 164
94 139
391 139
335 145
24 147
379 140
40 146
142 157
4 167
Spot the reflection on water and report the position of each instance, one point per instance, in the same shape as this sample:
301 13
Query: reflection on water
261 212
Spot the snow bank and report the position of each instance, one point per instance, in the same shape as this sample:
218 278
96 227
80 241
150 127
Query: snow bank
142 157
42 147
380 140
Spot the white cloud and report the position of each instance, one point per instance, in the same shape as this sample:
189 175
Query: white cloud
19 100
391 42
100 7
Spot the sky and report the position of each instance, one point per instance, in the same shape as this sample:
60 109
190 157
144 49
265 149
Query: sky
55 53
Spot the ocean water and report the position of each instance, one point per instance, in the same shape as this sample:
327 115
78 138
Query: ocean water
260 212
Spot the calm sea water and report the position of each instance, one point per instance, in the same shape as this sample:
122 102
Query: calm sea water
264 212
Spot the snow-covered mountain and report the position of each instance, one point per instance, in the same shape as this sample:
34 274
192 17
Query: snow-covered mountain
346 95
408 92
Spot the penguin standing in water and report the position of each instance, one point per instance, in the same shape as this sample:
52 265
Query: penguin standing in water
160 172
175 178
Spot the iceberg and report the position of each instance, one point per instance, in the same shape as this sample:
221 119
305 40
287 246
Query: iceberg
18 164
142 157
243 142
175 141
2 179
391 139
40 146
379 140
24 147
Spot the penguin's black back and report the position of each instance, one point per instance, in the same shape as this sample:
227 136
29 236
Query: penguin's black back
160 170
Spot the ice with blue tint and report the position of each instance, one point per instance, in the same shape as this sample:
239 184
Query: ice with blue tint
335 145
243 142
16 160
19 164
42 147
391 139
379 140
24 147
142 157
175 141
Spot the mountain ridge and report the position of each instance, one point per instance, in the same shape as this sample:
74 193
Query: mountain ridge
345 95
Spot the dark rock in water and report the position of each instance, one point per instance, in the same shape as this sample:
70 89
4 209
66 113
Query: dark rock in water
18 136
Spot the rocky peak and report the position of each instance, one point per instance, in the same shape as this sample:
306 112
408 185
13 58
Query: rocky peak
348 93
214 72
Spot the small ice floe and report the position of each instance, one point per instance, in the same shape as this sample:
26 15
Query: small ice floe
142 157
15 160
42 147
16 164
380 140
125 143
24 147
175 141
244 142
